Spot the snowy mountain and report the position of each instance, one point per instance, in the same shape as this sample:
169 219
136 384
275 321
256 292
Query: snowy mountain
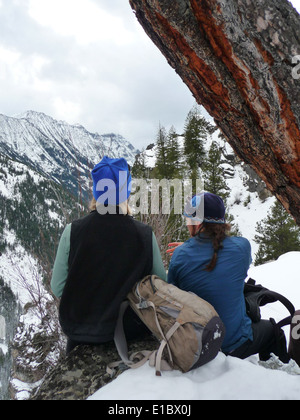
64 152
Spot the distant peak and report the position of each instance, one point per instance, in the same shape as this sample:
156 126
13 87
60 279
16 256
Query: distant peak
30 114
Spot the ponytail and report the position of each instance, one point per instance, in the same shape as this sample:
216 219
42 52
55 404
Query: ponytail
217 233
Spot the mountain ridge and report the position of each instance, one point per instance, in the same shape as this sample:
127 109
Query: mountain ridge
64 152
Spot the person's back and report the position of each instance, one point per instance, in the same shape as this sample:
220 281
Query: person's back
214 266
108 255
99 259
222 287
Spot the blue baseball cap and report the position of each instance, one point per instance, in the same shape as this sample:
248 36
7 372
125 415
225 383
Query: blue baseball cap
111 181
205 207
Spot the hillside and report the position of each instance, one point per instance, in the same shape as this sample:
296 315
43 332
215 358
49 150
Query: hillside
33 212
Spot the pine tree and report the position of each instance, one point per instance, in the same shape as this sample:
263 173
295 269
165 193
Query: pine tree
276 235
139 169
168 164
196 131
161 167
213 173
173 155
175 226
214 182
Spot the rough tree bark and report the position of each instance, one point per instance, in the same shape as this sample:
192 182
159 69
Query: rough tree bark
238 58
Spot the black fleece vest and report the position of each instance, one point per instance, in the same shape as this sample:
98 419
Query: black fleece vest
108 255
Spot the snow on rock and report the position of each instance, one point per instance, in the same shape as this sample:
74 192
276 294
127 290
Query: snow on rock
225 378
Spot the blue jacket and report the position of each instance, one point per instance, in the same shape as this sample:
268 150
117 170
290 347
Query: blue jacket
223 287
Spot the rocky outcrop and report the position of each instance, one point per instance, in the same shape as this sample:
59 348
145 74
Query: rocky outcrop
238 59
83 371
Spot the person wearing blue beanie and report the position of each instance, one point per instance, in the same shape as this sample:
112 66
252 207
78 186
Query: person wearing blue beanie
111 181
205 207
99 259
214 265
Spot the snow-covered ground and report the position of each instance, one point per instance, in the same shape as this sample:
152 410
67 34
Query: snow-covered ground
225 378
247 216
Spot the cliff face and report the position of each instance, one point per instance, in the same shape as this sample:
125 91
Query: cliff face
238 59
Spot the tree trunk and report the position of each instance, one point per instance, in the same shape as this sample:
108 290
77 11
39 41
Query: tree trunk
240 60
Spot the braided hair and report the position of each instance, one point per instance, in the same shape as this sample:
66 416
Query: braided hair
217 233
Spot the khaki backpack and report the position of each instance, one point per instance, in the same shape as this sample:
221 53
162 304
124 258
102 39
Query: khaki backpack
188 328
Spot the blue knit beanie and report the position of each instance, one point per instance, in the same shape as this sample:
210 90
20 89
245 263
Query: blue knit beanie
205 207
111 181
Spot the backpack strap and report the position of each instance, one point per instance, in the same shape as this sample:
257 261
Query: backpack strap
290 307
257 295
119 337
281 343
148 304
164 343
285 322
122 347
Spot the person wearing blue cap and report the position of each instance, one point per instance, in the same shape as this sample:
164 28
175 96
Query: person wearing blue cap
99 259
111 183
214 265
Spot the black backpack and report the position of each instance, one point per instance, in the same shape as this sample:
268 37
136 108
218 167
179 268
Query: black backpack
257 296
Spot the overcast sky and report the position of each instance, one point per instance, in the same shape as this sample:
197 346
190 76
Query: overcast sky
88 62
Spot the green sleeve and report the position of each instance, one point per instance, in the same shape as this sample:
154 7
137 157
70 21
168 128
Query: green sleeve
158 267
61 268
